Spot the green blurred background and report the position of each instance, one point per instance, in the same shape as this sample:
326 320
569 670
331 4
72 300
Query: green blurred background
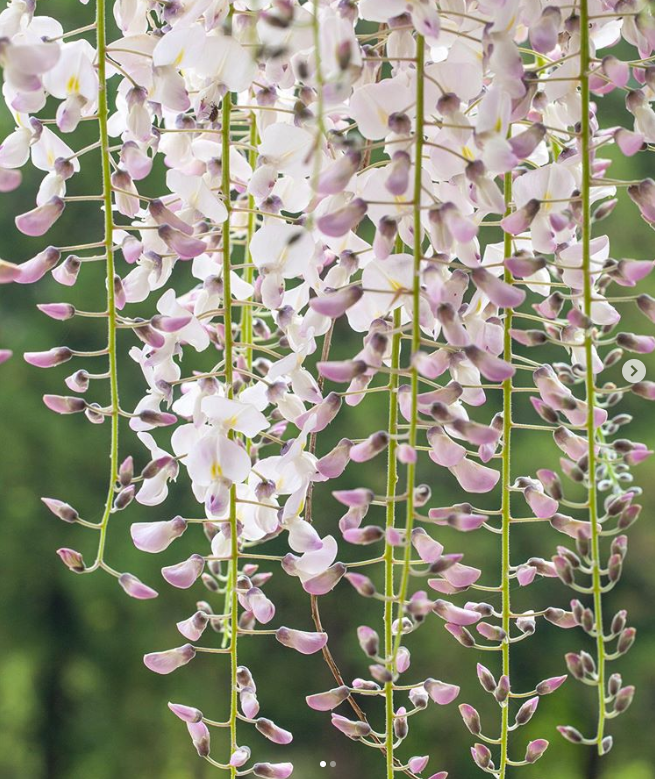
75 699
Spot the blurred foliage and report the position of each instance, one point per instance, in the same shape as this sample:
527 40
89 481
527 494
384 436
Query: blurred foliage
76 701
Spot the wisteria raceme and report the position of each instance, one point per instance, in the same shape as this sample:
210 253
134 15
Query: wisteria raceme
422 180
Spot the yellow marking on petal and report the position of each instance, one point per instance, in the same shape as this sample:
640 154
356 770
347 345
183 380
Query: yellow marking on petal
73 85
216 470
466 152
179 58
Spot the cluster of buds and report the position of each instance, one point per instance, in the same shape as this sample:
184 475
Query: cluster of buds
425 180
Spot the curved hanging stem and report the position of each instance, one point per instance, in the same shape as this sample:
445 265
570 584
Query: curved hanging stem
108 244
590 393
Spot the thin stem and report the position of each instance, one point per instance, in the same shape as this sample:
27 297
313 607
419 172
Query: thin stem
506 492
590 391
229 388
108 244
392 480
416 330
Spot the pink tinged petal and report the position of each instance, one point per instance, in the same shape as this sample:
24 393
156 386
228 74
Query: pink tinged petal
362 584
272 770
262 608
302 641
455 614
185 246
193 627
525 575
444 451
169 660
474 477
523 266
184 574
334 463
544 32
406 454
185 713
629 142
617 72
61 510
352 728
67 273
326 581
61 311
441 692
40 219
273 732
520 220
550 685
499 292
49 359
524 144
64 404
492 368
428 549
397 181
633 271
370 447
199 733
543 506
10 179
341 372
640 344
335 303
403 660
72 559
418 764
326 701
339 223
460 575
136 588
335 177
356 497
239 757
535 750
32 270
363 536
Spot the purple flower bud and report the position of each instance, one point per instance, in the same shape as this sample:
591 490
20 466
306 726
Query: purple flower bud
184 574
157 536
272 770
199 733
185 246
193 627
516 223
641 344
527 710
239 757
157 418
570 734
335 303
369 641
185 713
502 691
499 292
350 728
441 692
333 464
49 359
428 549
397 181
136 588
78 381
338 223
64 404
624 699
471 718
71 559
60 311
68 271
124 498
400 724
461 634
326 701
302 641
535 750
626 640
272 732
550 685
492 368
40 219
455 615
169 660
362 584
481 756
325 582
61 509
370 447
356 497
364 535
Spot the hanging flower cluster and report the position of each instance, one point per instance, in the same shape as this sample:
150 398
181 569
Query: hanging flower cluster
424 178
